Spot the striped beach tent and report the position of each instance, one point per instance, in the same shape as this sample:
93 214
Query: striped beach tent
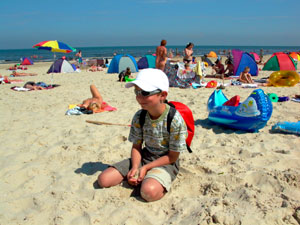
280 61
241 60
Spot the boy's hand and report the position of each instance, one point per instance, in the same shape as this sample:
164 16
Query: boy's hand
143 172
132 177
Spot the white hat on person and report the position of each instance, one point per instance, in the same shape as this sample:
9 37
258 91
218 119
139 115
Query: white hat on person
150 80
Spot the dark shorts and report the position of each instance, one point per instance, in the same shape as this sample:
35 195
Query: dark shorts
187 60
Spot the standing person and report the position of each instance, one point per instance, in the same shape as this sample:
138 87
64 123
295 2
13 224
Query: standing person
161 55
79 55
155 166
188 53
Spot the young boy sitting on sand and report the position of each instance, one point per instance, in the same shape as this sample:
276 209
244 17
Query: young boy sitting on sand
156 165
245 76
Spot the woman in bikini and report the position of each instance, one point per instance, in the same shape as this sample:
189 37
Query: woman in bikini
188 53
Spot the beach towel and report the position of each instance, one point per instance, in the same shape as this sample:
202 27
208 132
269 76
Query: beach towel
249 85
182 73
18 88
73 109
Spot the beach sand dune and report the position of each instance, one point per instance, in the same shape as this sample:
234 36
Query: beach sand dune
49 162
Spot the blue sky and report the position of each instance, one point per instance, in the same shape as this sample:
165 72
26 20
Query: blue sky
146 22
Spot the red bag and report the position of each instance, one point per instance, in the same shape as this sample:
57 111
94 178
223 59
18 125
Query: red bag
186 114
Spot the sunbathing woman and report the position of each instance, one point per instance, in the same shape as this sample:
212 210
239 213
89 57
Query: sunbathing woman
33 86
17 74
95 103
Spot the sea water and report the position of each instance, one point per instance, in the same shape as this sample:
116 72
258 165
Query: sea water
15 55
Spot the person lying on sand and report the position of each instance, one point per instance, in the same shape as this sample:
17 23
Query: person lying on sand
8 81
95 103
33 86
95 68
17 74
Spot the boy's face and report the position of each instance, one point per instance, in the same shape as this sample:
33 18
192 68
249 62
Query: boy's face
149 102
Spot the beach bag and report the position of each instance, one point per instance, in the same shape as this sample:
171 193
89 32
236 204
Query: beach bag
186 114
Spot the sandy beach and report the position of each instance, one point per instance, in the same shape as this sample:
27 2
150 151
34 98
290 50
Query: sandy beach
49 161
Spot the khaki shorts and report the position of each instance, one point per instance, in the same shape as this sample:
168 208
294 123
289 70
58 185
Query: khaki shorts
158 173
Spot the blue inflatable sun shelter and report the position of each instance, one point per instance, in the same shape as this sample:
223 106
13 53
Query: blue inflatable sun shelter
121 62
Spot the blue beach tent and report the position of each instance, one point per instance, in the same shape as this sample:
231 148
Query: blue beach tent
121 62
241 60
148 61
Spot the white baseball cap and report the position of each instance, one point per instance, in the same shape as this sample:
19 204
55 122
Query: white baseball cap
150 80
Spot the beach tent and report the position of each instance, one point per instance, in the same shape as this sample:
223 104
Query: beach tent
121 62
212 54
148 61
295 56
26 61
241 60
280 61
255 56
61 66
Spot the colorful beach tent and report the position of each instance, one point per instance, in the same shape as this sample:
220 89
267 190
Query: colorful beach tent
280 61
212 54
61 66
26 61
121 62
295 56
255 56
147 61
241 60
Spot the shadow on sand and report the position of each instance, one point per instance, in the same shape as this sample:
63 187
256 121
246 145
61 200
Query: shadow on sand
207 124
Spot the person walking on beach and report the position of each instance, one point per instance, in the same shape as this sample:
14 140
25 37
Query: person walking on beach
79 55
155 166
188 53
161 55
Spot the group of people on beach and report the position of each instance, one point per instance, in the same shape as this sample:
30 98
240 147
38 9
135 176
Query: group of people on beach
218 68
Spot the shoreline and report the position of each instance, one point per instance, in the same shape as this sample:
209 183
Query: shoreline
49 161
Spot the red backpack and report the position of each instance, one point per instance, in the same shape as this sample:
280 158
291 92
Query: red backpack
186 114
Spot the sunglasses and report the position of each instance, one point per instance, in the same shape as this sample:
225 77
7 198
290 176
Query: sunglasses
146 93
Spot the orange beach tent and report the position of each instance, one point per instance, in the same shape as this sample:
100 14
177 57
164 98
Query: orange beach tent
295 56
212 54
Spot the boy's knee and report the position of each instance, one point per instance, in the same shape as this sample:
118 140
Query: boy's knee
150 193
103 180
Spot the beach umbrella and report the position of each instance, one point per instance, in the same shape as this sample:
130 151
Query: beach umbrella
54 46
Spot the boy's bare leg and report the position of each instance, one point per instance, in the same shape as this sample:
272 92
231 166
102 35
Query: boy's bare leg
152 190
110 177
